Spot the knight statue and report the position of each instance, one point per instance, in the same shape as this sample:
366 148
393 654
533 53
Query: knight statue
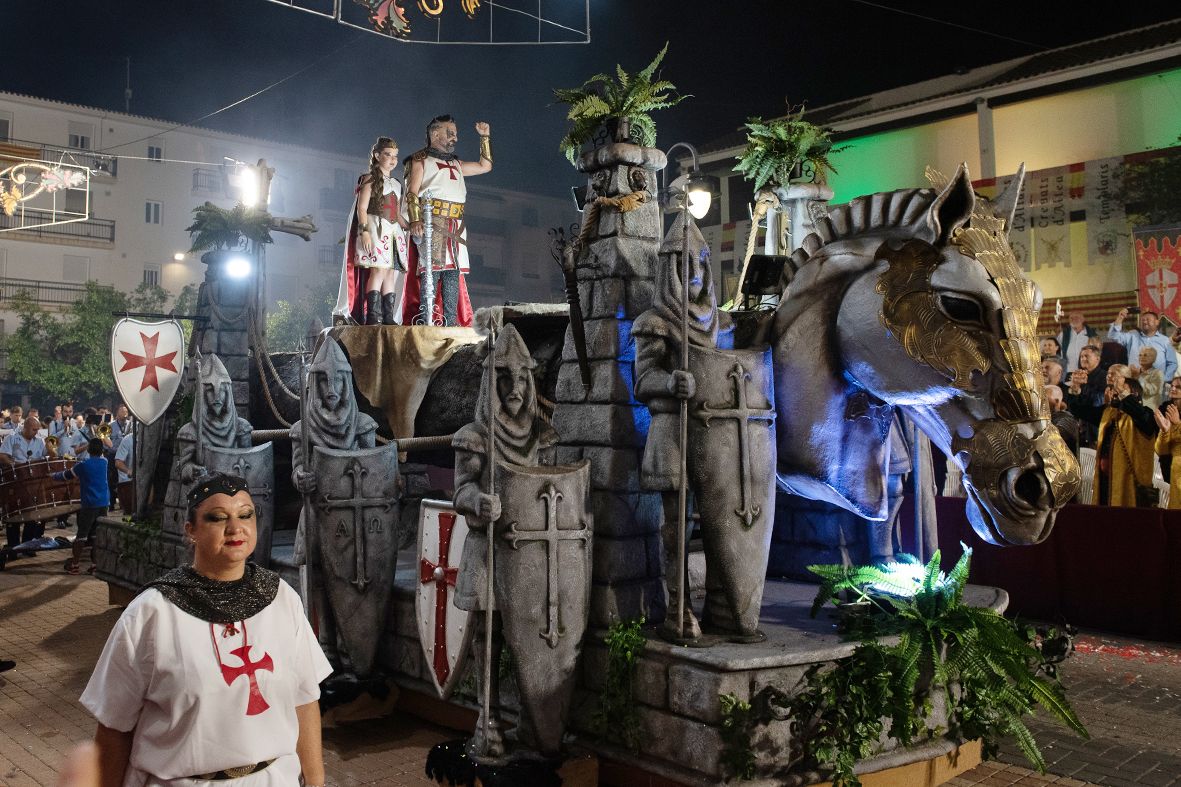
215 424
730 445
346 543
541 576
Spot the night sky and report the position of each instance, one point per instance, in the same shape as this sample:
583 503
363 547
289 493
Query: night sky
190 57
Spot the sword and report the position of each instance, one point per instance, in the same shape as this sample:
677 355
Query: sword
198 401
305 447
427 290
577 332
488 589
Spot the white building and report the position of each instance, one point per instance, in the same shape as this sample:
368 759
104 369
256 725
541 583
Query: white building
149 174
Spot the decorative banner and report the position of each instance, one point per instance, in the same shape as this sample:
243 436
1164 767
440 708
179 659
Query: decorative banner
460 21
1158 270
146 360
33 193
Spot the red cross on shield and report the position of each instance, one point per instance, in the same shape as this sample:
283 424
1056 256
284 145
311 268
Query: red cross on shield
146 360
444 629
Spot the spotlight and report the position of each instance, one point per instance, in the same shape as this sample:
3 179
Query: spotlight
179 256
237 267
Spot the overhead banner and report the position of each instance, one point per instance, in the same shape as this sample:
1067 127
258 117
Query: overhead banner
1158 269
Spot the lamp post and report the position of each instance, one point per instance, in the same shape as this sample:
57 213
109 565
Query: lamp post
690 194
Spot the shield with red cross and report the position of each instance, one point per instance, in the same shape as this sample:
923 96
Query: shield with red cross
444 630
147 359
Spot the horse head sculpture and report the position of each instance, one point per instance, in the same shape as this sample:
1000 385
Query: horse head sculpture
913 299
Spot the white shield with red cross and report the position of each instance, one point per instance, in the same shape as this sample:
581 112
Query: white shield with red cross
444 630
147 359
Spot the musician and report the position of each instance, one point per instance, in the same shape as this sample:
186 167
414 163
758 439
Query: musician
124 458
17 449
96 498
63 424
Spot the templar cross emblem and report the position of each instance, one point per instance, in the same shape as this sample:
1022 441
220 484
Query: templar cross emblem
149 360
743 414
358 503
552 535
257 703
443 576
447 165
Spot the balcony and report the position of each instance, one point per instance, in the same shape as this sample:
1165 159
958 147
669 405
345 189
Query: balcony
99 164
87 232
208 181
42 292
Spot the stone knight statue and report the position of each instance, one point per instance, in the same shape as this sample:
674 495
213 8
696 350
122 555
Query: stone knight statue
331 420
215 423
523 438
730 444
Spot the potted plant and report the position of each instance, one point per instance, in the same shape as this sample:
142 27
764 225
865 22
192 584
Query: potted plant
776 150
215 228
622 103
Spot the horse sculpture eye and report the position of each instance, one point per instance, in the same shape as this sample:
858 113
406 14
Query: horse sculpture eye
961 309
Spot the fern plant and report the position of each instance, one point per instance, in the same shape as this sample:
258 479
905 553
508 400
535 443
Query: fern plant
617 717
218 228
989 670
631 97
775 147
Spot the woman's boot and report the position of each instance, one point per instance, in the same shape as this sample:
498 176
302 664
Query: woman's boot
389 307
373 308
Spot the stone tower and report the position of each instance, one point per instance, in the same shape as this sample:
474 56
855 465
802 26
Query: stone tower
616 271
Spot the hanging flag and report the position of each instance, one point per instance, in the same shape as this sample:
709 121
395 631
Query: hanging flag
1158 270
146 358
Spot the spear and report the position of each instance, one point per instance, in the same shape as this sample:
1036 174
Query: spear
305 448
490 381
682 513
198 406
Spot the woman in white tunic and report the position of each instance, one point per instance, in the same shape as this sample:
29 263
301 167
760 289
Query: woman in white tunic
373 275
212 673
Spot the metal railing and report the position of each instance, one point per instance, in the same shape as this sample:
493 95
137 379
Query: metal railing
96 230
98 163
209 181
61 293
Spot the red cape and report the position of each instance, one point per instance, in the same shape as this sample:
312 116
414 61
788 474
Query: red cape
411 300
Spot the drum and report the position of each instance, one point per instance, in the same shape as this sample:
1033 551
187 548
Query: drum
125 493
29 494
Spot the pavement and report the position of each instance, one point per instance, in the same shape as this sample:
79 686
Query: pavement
54 625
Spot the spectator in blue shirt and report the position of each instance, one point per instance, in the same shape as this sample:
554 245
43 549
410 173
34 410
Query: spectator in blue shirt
96 498
1145 336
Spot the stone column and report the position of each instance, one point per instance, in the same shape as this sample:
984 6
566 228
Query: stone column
226 301
796 201
605 424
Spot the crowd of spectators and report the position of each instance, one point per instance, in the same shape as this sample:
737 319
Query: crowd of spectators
96 433
1116 392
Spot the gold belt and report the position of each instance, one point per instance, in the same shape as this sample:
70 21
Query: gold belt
233 773
448 210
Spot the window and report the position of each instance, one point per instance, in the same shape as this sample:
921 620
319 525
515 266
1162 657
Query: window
5 126
80 135
152 212
155 152
75 202
329 256
3 263
75 269
152 275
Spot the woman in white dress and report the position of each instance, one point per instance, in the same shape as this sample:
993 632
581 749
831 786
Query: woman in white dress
212 673
375 251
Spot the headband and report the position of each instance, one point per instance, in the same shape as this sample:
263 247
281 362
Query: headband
216 484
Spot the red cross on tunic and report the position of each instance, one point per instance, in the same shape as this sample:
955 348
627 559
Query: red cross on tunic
447 165
149 360
257 703
443 576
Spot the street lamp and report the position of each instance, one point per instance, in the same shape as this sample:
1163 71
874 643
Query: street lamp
693 189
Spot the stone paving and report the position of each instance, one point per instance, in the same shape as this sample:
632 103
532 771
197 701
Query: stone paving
54 626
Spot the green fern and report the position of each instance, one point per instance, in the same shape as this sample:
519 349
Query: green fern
218 228
621 95
775 147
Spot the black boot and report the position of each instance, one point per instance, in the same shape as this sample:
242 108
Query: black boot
389 307
373 308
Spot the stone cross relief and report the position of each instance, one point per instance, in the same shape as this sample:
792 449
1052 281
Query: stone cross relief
358 504
743 414
552 536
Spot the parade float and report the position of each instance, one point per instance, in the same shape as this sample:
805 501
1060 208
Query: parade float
497 520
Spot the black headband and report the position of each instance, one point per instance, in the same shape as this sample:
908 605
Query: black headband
215 484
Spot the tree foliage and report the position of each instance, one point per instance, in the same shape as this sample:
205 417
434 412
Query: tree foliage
775 147
67 355
624 95
288 322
